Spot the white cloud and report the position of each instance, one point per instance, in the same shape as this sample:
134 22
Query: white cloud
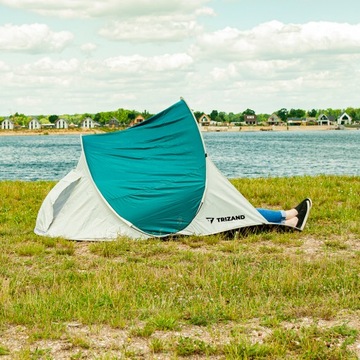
94 85
140 64
48 66
277 40
153 29
143 53
33 38
3 66
257 69
100 8
88 48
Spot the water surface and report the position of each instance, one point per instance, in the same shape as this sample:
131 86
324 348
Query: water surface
236 154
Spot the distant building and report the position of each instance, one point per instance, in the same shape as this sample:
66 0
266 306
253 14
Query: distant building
204 120
7 124
88 123
273 120
114 123
344 119
250 119
296 121
34 124
323 120
61 124
139 119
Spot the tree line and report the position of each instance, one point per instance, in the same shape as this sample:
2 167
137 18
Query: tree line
283 113
124 116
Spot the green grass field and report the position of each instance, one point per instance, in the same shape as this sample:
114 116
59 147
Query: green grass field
266 295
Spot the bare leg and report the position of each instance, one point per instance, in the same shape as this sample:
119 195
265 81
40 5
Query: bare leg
291 218
290 214
292 222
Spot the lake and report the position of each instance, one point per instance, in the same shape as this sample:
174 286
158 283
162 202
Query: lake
236 154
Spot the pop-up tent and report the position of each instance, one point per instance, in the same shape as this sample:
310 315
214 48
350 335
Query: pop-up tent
151 180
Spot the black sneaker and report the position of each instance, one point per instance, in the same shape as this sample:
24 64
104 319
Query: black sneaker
302 205
303 210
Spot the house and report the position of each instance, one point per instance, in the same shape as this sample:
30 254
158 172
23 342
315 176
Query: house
34 124
137 120
61 124
294 121
323 120
88 123
7 124
114 123
273 120
344 119
250 119
204 120
48 125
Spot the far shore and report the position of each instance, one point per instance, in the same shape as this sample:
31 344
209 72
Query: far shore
202 129
51 132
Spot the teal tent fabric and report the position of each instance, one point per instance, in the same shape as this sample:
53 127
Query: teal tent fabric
153 174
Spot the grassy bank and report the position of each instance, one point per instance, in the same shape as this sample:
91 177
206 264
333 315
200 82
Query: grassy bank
269 295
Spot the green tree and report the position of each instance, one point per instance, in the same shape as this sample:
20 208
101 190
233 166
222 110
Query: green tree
197 114
222 116
248 112
214 114
262 118
351 112
296 113
131 116
86 115
53 118
282 114
312 113
98 118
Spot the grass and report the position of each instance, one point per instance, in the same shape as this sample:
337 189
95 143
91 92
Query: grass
266 295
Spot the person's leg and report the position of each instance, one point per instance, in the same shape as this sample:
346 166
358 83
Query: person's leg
296 217
273 216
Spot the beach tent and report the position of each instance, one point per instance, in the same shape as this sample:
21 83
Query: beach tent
154 179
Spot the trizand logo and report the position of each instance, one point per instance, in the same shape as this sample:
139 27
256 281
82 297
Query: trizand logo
225 218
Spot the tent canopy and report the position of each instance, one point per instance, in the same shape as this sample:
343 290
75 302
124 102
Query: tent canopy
153 179
153 172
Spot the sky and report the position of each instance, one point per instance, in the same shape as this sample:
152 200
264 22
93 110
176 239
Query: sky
81 56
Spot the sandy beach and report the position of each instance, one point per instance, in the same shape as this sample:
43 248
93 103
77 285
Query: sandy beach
50 132
202 128
268 128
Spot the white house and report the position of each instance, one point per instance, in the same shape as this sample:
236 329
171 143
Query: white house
7 124
34 124
323 120
61 124
344 119
88 123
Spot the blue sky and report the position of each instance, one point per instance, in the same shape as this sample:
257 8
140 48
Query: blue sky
78 56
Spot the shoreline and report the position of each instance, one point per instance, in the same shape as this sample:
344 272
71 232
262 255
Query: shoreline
272 128
46 132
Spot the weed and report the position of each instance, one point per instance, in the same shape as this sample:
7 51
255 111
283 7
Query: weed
4 351
187 346
157 345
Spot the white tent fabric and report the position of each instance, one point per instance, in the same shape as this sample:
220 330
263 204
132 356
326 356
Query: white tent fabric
76 208
224 207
